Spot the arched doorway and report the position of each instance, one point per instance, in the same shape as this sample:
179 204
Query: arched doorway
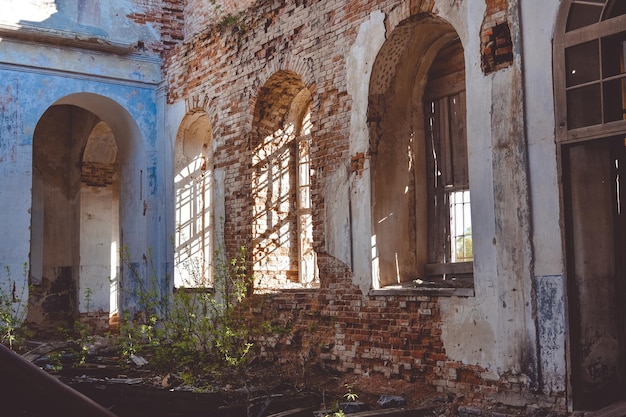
81 147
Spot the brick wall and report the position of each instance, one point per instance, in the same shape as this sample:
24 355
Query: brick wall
98 174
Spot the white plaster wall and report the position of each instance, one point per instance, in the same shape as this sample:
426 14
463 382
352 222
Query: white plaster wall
537 33
493 329
34 10
337 214
469 335
360 60
173 115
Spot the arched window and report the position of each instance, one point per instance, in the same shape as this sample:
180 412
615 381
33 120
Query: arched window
590 81
282 229
422 233
194 213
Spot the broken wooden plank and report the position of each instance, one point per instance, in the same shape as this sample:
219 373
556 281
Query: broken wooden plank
295 412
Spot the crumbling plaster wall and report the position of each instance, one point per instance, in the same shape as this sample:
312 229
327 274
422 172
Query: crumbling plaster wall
496 328
224 68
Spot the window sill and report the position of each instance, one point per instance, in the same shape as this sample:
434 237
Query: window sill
285 290
460 286
427 291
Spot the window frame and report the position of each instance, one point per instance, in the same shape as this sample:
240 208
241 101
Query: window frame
439 92
590 33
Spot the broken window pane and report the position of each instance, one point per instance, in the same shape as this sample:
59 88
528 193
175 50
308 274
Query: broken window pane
460 226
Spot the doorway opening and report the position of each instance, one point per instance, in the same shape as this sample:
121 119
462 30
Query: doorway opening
595 202
75 224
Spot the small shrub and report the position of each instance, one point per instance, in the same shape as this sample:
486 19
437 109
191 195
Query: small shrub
13 308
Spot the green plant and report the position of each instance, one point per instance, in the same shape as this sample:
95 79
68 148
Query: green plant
189 329
350 397
233 21
13 308
88 294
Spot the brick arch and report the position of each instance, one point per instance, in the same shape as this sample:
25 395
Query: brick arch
202 102
422 6
399 14
406 56
273 103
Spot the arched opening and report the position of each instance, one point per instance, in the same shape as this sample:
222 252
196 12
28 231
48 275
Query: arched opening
193 179
422 232
590 79
282 229
79 209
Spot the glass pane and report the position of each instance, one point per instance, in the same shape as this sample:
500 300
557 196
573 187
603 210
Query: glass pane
581 15
613 55
584 106
614 8
614 100
460 226
582 63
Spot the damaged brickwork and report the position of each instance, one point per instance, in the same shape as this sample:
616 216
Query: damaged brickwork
495 37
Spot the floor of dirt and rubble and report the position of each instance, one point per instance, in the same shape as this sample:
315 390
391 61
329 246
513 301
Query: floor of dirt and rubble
132 388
